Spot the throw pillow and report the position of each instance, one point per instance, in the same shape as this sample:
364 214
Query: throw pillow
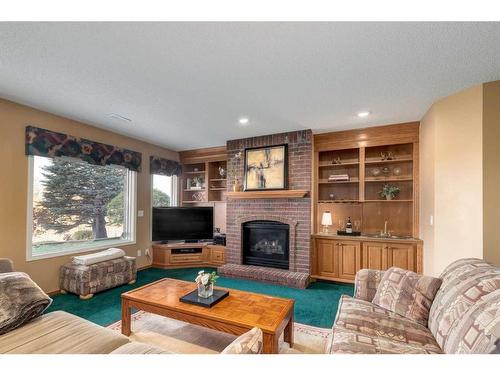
248 343
407 293
21 300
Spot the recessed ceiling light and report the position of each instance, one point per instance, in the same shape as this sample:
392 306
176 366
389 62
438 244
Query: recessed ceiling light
363 114
243 121
116 116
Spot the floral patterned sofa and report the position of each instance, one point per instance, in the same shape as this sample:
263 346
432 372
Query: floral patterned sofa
464 316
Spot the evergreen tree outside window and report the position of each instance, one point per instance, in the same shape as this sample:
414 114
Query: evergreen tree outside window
75 206
164 193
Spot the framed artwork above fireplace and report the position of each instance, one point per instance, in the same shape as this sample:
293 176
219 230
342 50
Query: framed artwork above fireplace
266 168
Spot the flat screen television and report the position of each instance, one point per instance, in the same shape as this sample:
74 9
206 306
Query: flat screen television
183 223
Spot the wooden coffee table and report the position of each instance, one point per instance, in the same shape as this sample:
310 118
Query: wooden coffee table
236 314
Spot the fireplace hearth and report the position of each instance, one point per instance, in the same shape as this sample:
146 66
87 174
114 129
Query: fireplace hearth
266 243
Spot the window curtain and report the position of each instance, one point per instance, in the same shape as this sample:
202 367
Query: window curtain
165 167
42 142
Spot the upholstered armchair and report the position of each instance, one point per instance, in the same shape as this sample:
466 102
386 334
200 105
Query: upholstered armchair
6 265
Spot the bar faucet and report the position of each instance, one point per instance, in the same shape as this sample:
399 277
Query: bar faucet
385 233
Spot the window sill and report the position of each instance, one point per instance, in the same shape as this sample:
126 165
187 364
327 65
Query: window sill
56 254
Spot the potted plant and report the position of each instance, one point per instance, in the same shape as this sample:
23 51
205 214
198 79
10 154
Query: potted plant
205 282
389 191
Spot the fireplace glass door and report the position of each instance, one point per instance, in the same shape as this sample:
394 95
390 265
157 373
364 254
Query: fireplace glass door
266 243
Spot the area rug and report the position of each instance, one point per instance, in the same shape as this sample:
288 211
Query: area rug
184 338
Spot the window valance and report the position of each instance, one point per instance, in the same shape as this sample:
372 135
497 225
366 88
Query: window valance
42 142
166 167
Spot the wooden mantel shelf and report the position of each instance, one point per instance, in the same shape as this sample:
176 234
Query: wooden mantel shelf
271 194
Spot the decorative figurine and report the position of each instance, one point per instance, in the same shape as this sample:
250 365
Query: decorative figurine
389 155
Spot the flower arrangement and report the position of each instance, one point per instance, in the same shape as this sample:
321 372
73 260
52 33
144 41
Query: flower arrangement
388 192
205 282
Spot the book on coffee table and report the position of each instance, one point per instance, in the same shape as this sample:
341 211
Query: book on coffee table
194 299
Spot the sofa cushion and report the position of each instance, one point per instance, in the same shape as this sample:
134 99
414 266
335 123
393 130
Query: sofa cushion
60 332
101 256
366 283
21 300
139 348
6 265
248 343
465 315
407 293
345 341
359 319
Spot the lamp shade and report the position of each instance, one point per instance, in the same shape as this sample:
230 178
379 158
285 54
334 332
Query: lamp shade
326 219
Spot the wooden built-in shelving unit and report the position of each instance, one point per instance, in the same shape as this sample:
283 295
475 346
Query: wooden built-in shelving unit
203 164
357 153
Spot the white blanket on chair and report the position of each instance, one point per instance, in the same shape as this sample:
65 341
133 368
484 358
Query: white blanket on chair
87 260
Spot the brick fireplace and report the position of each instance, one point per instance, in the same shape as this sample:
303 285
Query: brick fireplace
293 212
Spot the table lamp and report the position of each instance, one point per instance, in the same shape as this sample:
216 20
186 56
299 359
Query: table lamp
326 221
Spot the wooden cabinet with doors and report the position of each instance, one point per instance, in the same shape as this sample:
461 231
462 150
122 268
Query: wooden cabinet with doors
381 256
217 254
336 258
327 254
349 259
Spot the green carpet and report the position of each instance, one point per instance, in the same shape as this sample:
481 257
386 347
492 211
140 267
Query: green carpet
314 306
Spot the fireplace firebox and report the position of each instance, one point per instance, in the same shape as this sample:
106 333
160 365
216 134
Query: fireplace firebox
266 243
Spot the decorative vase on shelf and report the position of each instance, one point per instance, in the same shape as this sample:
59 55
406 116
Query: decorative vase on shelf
388 197
236 186
205 291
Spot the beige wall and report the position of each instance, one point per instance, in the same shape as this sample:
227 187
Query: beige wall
13 187
451 177
491 171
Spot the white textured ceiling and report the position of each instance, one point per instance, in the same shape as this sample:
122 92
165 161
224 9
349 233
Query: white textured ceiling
184 85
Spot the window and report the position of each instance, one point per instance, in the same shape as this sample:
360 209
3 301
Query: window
164 191
75 206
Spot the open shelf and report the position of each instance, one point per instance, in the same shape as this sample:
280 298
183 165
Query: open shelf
351 181
387 201
339 201
388 179
379 161
194 172
328 164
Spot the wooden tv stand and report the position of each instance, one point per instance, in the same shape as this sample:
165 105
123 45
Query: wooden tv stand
183 255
